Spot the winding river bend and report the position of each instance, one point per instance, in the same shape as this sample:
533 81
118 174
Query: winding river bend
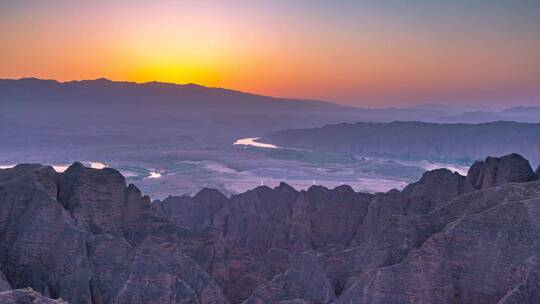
252 141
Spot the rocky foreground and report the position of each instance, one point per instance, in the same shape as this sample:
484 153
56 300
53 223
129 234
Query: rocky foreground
83 236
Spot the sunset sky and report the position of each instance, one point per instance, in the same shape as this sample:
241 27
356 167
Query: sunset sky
367 53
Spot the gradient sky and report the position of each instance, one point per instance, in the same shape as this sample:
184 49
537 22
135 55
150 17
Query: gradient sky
368 53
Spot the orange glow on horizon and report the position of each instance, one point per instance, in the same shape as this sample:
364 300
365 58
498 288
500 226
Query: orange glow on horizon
286 51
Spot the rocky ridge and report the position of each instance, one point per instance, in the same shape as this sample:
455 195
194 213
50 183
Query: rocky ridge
84 236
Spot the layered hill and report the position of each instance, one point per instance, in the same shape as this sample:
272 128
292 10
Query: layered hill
110 112
84 236
417 140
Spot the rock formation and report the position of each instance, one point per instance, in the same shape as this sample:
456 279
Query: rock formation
26 296
87 238
84 236
497 171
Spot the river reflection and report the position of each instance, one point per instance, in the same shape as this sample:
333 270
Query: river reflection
251 141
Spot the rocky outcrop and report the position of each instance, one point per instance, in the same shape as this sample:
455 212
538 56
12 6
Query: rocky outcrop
434 189
260 223
26 296
198 211
527 291
86 237
4 285
483 246
304 279
497 171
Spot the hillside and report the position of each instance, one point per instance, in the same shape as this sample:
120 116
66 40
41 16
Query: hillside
417 140
146 109
87 237
40 110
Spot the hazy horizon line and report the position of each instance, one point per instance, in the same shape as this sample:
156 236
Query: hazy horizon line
184 84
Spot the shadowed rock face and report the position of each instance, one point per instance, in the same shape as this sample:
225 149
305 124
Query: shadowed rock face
4 285
497 171
26 296
483 247
263 226
87 237
305 278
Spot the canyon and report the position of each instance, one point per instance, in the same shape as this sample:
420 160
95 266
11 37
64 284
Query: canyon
85 236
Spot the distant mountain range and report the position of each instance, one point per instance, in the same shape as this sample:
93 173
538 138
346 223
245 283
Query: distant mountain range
417 140
101 103
103 112
151 93
47 114
46 101
523 110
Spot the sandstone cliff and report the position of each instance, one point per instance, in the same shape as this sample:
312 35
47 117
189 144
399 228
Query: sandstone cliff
84 236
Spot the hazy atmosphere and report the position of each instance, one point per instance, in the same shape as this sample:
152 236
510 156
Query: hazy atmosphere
270 152
363 53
